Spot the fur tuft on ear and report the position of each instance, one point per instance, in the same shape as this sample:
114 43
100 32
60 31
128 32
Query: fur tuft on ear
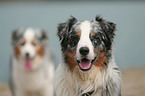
63 30
99 18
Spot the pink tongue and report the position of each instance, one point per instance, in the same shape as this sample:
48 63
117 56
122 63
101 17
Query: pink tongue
85 64
28 65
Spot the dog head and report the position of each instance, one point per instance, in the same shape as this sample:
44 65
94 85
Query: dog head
86 43
29 46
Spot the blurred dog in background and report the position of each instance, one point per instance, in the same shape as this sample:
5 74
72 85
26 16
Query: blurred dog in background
32 66
88 67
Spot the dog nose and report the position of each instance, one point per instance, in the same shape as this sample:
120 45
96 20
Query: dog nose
84 50
27 54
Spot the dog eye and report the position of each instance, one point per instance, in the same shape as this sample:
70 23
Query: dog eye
33 43
96 41
73 41
23 43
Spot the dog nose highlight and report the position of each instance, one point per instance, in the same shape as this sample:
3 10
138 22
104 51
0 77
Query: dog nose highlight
84 50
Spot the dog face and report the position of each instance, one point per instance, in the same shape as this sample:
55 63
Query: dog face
29 46
86 43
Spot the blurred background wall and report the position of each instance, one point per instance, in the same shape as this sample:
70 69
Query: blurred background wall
128 15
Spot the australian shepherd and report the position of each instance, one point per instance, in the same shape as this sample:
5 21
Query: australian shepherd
32 67
88 67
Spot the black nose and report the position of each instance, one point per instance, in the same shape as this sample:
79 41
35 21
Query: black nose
27 54
84 50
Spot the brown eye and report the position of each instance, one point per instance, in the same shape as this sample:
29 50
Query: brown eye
73 41
96 40
23 43
33 43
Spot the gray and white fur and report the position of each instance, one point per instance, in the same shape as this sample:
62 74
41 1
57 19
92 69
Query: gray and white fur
87 67
32 65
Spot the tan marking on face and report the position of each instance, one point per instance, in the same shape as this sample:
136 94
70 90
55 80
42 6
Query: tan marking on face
79 33
71 60
40 51
33 42
101 59
23 42
17 51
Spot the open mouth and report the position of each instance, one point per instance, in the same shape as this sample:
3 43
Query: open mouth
85 64
28 64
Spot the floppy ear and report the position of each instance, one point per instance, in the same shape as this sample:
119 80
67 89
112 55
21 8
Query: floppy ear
14 36
63 30
44 35
108 27
111 28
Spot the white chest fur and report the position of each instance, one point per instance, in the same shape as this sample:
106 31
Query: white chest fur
75 83
32 81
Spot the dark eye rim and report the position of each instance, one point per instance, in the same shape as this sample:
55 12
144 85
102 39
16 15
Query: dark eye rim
96 40
73 40
22 43
34 44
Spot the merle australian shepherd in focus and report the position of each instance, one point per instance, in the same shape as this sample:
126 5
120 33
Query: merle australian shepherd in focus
32 67
88 67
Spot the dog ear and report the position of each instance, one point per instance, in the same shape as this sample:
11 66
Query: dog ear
63 30
108 27
15 36
111 27
44 35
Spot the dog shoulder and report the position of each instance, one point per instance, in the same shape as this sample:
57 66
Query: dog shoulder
63 78
113 79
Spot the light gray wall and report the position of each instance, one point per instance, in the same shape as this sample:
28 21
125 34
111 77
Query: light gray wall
129 16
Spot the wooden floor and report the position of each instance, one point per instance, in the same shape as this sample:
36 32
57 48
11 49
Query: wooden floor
133 83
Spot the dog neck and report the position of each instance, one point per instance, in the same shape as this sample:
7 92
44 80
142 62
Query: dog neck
85 79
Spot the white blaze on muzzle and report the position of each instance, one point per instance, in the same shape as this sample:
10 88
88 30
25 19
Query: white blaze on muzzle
85 59
28 51
85 28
